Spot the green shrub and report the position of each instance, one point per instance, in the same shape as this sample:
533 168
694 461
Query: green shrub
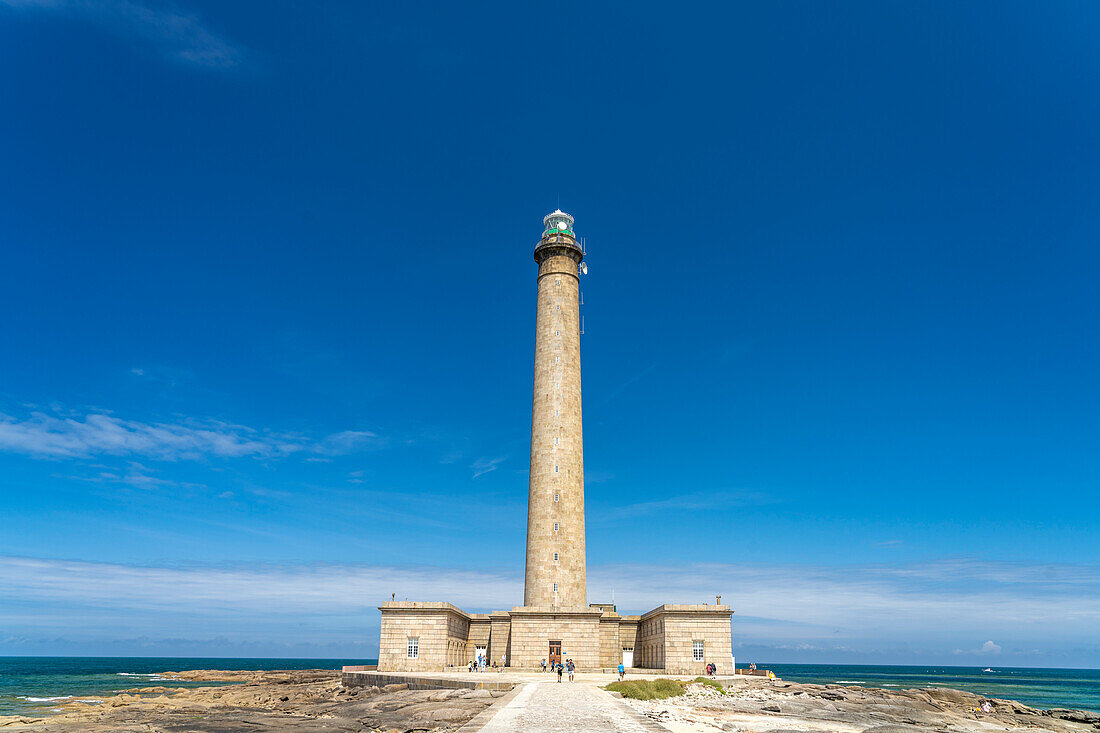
710 683
648 689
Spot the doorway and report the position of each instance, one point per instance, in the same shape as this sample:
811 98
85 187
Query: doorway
628 656
555 652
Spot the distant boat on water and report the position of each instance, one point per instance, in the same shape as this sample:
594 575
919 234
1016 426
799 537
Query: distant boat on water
987 669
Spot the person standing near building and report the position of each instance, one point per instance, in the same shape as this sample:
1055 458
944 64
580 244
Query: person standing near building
503 659
544 665
558 667
571 668
622 671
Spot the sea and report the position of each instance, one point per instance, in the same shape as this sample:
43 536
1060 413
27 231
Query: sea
35 684
1077 689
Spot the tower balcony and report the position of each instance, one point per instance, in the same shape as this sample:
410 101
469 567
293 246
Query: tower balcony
555 242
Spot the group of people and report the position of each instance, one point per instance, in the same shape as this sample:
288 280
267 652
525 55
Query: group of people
560 668
479 664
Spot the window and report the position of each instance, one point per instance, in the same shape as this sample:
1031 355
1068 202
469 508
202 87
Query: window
557 358
555 587
414 647
555 469
555 526
555 497
559 282
555 441
555 557
557 333
555 413
697 651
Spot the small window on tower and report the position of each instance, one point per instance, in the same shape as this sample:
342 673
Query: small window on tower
555 469
555 526
555 557
555 587
557 358
559 282
555 441
557 333
555 497
555 413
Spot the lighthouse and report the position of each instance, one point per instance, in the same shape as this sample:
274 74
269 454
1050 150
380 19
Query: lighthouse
555 569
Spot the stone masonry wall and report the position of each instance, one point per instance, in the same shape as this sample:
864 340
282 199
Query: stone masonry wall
579 636
500 637
677 627
649 648
440 628
611 653
480 631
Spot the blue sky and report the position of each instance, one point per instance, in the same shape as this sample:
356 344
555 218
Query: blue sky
268 306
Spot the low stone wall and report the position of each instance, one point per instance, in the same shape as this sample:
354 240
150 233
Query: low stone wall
416 682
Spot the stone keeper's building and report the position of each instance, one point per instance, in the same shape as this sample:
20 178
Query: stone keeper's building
556 621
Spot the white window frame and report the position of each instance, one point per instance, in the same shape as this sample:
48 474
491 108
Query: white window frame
412 647
555 526
555 587
698 653
555 557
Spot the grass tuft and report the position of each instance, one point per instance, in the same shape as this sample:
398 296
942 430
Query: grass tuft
648 689
710 683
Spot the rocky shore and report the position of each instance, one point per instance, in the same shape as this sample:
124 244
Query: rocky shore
311 701
756 706
305 701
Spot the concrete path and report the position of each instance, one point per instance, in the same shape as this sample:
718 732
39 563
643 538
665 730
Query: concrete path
550 706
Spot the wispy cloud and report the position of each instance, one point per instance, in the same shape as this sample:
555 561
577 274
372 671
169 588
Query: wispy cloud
276 589
176 33
483 466
616 391
919 611
133 474
935 604
45 435
696 501
347 441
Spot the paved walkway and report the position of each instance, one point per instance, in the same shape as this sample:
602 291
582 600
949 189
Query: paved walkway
550 706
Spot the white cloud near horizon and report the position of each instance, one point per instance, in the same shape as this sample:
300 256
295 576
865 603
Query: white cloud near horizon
42 435
176 33
938 608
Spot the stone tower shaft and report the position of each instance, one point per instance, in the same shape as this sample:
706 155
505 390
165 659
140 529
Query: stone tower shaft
555 575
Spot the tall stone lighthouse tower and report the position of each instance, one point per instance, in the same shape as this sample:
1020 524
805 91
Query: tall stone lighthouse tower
555 573
555 623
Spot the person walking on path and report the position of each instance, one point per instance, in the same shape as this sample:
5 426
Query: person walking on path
571 667
544 665
622 671
503 659
559 668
